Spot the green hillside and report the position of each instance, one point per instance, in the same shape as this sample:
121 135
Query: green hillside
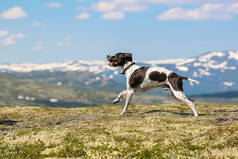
147 131
24 92
72 79
27 92
43 89
76 80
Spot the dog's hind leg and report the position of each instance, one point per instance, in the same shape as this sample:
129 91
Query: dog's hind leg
121 94
128 99
181 96
176 86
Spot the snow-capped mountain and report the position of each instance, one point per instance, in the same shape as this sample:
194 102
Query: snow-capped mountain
216 71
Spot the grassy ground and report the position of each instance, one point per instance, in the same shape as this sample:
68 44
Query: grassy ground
154 131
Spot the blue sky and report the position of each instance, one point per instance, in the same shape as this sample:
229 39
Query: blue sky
45 31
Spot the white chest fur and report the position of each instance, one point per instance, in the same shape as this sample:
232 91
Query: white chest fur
128 74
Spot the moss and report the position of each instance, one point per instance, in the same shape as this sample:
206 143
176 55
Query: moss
22 151
23 132
148 131
72 146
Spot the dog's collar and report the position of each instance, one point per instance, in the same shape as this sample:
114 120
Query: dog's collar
125 69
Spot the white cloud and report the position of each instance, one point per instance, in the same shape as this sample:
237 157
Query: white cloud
104 6
14 13
172 2
113 15
3 33
210 7
114 9
134 8
84 9
19 35
175 1
207 11
229 84
38 24
120 5
38 48
233 8
53 5
62 44
68 37
127 1
83 16
8 42
39 43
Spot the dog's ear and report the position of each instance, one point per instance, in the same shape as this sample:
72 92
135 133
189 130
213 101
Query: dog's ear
126 56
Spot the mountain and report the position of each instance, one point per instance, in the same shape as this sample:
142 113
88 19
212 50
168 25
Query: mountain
26 92
227 95
74 79
19 92
216 72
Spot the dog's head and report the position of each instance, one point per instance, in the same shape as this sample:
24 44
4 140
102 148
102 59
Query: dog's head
119 60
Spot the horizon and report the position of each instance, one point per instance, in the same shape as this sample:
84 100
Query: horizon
64 30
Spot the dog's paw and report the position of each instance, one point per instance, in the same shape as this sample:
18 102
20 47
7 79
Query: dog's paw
166 89
116 101
123 113
195 115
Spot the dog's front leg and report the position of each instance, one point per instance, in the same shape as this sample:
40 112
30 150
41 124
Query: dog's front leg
122 94
128 99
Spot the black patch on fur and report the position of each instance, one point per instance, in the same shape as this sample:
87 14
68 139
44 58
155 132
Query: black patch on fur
157 76
137 77
191 100
165 86
176 81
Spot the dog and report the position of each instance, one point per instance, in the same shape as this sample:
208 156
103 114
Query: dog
142 79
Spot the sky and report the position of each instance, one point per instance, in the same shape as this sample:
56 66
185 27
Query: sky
45 31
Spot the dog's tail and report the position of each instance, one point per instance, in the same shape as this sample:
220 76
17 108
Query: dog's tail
195 81
190 79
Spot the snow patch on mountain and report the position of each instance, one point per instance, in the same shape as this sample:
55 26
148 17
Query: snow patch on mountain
92 66
185 61
169 61
214 65
197 64
195 74
206 62
116 72
214 70
182 68
91 62
229 84
233 55
200 66
208 56
203 72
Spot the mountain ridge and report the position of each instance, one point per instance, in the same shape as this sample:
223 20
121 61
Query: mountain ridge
216 71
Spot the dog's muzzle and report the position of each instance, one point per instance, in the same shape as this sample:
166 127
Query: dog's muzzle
111 61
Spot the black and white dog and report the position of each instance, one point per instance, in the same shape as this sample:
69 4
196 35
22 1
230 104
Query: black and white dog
141 79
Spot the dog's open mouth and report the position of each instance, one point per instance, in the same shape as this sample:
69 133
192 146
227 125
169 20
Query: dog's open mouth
111 63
